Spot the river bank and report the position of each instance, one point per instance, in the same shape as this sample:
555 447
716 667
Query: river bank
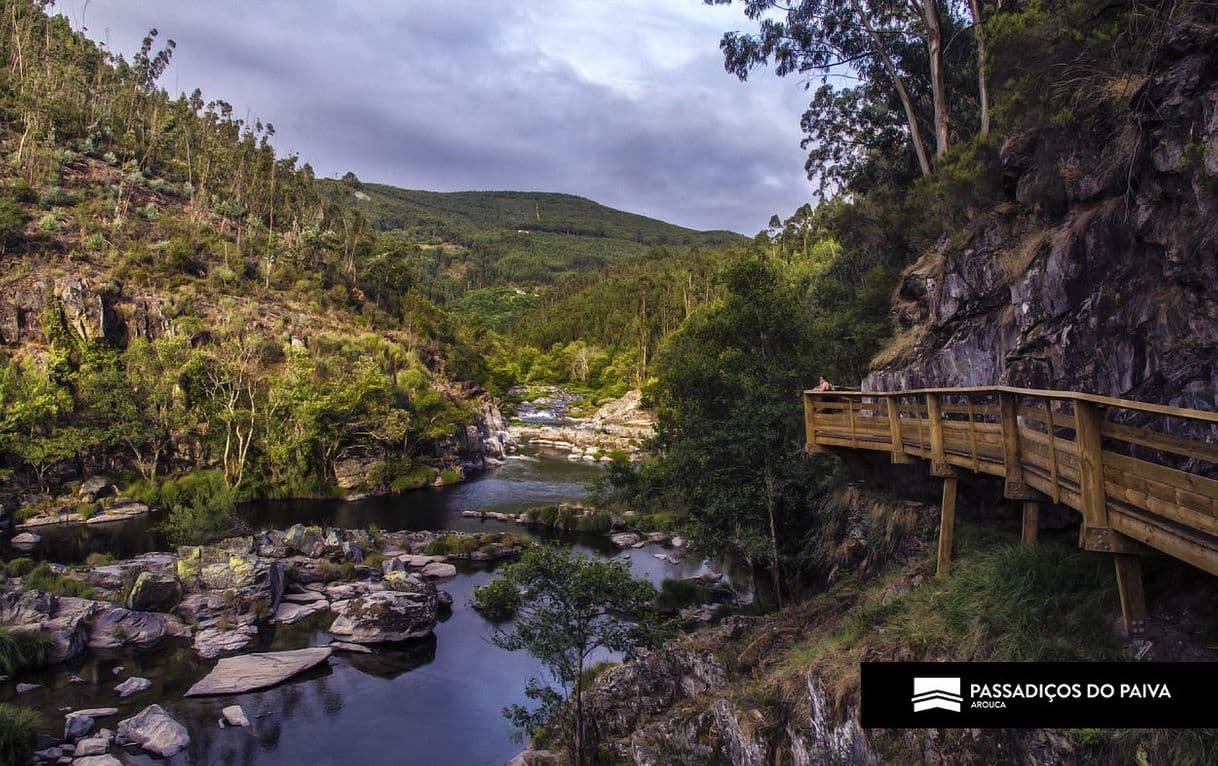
441 695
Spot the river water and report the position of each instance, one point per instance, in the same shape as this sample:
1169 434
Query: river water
433 701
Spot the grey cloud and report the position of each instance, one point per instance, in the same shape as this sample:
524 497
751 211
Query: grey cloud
455 94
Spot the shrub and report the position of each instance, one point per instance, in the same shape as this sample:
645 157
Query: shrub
497 600
678 594
86 510
96 559
18 732
12 221
201 506
19 567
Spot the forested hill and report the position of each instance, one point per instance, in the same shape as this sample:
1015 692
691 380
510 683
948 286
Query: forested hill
456 213
485 238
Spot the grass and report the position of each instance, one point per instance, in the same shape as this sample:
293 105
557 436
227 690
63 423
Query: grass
18 732
1004 602
24 650
43 579
19 567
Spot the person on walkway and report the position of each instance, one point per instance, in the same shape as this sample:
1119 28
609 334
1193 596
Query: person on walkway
823 385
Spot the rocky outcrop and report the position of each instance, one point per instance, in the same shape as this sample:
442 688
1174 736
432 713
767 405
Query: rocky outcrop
619 425
62 618
234 675
388 615
1098 274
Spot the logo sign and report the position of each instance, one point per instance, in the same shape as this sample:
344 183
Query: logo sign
1034 695
941 693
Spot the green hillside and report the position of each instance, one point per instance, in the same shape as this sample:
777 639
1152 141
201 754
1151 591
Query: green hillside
483 239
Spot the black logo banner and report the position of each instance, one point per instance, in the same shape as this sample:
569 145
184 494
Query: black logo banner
1034 695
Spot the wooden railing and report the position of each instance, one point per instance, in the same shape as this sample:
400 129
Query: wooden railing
1141 475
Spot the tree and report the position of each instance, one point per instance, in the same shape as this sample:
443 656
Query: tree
569 609
729 425
896 52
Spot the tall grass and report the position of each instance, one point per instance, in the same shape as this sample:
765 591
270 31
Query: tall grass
24 650
18 732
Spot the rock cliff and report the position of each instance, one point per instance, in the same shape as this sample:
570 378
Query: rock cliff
1098 271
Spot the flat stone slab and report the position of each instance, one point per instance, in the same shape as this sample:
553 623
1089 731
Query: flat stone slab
246 672
289 612
346 646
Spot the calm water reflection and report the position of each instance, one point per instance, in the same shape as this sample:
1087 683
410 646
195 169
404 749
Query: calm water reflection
435 701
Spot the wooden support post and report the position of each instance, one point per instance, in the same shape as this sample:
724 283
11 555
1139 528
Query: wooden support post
1133 598
1090 469
1031 521
938 456
895 434
947 526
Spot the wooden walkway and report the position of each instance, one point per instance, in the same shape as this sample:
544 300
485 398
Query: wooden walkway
1141 475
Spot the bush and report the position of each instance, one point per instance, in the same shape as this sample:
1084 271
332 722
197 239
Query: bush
675 595
24 650
96 559
12 221
18 732
497 600
86 510
19 567
202 508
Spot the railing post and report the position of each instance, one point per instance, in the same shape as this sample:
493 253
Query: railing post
810 444
1015 487
938 457
1090 474
894 429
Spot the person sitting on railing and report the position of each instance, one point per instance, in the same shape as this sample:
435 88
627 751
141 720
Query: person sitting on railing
823 385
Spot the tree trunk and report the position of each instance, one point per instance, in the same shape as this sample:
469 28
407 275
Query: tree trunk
983 92
934 47
911 118
769 505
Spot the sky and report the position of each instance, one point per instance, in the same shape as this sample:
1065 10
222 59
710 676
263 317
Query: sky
625 102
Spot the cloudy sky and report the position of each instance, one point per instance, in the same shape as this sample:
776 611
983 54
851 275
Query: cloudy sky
622 101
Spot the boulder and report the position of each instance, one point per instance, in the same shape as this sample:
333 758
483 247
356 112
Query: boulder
309 541
26 540
233 675
271 543
405 582
211 642
211 567
624 539
132 685
387 616
92 746
77 725
234 715
155 731
97 760
153 592
93 488
444 599
439 569
63 618
351 551
23 688
343 646
289 612
113 626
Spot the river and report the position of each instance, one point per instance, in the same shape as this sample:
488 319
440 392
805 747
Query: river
433 701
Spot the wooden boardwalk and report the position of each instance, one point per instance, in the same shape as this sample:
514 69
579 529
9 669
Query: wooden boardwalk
1141 475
